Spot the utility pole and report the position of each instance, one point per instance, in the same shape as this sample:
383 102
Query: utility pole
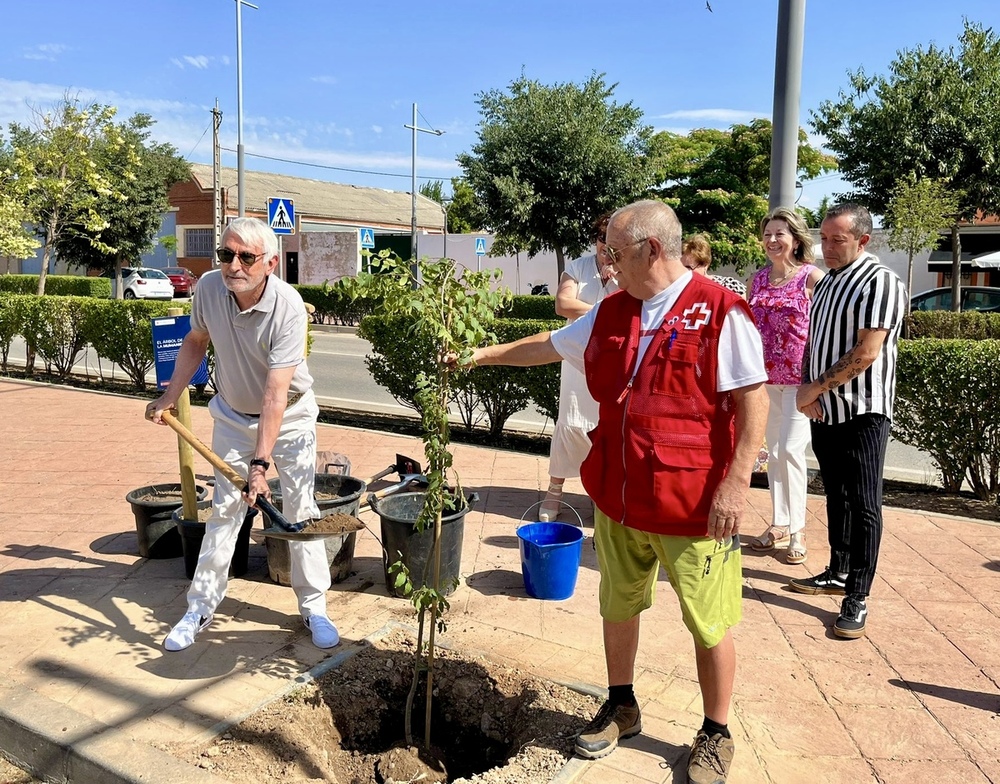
218 208
787 90
413 188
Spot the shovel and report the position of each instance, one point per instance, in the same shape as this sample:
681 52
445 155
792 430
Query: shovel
403 466
280 528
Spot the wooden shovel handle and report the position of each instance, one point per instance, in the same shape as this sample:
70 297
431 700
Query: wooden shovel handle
202 449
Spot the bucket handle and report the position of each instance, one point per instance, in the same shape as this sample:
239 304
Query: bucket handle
539 503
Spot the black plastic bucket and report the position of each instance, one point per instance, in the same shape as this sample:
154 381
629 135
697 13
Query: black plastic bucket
154 524
192 533
345 492
402 542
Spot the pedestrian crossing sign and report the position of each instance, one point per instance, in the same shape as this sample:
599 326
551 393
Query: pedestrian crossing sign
281 215
367 237
480 246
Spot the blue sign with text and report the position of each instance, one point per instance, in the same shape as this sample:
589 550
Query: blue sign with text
168 335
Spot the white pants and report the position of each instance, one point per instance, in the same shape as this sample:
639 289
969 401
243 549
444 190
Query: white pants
234 439
787 437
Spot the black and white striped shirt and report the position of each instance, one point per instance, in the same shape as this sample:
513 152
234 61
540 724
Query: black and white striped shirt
863 295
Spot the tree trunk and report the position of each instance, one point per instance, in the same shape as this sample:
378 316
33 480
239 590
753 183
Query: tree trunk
909 294
560 266
956 269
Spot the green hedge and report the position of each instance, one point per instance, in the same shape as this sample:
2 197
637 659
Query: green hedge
525 306
945 324
57 329
490 393
73 285
335 305
947 405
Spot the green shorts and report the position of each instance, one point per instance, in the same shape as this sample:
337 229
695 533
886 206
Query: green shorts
706 576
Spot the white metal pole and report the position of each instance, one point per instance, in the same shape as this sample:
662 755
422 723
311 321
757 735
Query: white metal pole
413 189
241 185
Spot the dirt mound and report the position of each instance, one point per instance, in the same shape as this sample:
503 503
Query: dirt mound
491 724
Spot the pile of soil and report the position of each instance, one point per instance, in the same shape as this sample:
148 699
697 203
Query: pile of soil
491 724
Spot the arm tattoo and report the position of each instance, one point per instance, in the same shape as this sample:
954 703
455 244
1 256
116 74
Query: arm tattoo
849 363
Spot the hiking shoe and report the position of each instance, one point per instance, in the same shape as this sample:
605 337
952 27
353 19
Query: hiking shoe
853 612
324 633
710 759
611 724
825 582
187 628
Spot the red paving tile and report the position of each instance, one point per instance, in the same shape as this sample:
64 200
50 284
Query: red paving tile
917 700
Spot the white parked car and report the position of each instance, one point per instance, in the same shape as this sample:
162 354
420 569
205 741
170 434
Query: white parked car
145 283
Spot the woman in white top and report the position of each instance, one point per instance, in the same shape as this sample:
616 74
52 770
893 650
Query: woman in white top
585 282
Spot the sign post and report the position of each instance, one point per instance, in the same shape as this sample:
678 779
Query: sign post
281 219
480 252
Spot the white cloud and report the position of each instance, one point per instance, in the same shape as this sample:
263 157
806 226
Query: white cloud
376 129
184 125
718 116
324 79
44 52
199 61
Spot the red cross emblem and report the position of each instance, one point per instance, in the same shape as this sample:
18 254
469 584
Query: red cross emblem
696 316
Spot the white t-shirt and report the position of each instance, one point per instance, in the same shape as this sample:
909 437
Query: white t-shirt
741 353
576 407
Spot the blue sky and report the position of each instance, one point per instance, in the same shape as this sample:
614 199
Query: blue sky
332 83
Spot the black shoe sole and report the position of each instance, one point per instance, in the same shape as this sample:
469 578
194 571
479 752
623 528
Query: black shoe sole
849 634
816 591
597 754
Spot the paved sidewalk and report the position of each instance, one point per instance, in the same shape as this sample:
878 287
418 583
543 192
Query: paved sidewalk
86 683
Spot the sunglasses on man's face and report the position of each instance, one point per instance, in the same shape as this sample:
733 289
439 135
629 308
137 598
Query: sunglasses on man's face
247 259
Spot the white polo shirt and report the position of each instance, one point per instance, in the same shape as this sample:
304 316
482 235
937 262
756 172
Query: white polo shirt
249 343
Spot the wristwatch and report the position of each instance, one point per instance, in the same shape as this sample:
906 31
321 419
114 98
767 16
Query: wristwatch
262 463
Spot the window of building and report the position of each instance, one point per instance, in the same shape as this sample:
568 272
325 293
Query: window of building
198 243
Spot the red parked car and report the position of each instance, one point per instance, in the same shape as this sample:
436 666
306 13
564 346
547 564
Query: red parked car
182 279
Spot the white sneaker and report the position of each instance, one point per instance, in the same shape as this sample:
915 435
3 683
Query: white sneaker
187 628
323 631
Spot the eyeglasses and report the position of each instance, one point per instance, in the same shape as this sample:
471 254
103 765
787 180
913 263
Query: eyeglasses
615 255
247 259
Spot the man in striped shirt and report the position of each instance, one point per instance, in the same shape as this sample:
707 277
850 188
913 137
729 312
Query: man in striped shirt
849 382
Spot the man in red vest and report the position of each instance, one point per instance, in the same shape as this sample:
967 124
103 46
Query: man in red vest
676 364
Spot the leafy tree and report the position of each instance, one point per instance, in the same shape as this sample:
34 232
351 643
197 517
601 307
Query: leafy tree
432 190
552 158
935 116
56 154
718 183
465 214
917 212
814 218
144 172
15 187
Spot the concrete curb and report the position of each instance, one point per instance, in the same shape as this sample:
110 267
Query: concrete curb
61 745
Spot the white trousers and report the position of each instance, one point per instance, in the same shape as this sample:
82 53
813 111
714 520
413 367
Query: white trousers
234 439
787 437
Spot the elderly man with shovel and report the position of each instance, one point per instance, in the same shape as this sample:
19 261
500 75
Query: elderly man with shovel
265 414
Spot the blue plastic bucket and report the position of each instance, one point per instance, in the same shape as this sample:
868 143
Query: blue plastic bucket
550 558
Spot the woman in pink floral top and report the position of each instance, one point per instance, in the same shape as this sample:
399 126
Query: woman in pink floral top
780 295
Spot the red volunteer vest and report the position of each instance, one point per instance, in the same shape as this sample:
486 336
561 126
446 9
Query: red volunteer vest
664 440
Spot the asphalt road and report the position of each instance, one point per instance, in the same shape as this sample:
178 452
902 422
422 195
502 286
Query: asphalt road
337 363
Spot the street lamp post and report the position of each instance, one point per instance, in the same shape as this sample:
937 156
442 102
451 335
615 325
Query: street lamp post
413 187
241 190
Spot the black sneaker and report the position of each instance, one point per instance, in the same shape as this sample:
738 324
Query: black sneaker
825 582
611 724
853 612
